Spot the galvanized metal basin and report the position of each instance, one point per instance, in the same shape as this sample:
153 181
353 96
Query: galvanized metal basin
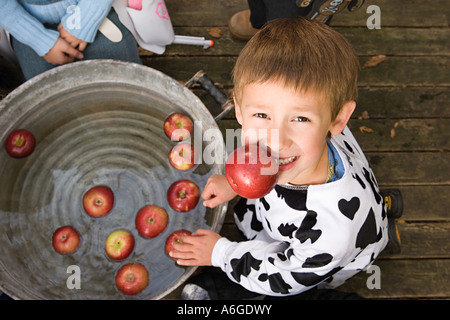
95 122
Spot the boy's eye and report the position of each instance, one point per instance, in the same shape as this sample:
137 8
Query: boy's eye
301 119
261 115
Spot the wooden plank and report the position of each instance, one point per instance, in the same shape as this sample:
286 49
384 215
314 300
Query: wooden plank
423 241
405 279
387 41
402 134
407 71
414 13
425 203
394 71
404 102
418 168
203 12
398 41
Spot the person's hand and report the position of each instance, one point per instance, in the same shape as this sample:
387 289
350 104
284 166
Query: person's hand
217 191
71 39
196 249
62 52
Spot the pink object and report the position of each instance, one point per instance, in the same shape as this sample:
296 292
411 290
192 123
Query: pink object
135 4
161 10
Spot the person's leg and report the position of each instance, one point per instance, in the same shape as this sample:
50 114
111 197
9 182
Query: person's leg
284 9
257 13
103 48
244 24
30 62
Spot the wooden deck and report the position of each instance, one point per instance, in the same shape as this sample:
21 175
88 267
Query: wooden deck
403 102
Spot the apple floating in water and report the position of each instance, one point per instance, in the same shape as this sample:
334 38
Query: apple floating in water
178 126
66 240
183 195
183 156
20 143
132 278
98 201
151 220
119 244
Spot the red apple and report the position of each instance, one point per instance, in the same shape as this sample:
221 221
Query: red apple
132 278
182 156
66 240
98 201
119 244
251 171
20 143
175 237
183 195
151 220
178 126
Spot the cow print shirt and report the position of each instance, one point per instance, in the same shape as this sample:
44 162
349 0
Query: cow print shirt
300 237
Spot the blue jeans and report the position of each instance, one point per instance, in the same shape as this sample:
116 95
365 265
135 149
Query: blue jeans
102 48
262 11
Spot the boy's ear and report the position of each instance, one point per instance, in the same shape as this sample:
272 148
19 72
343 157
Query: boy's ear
342 118
237 110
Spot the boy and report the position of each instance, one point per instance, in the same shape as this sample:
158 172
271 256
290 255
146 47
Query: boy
325 220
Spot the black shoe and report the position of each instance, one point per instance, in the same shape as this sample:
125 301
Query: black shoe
393 201
394 244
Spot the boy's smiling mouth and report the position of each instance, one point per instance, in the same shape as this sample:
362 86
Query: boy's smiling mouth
287 163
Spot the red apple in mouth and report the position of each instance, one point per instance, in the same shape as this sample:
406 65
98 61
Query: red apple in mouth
20 143
132 278
183 195
151 220
182 156
66 240
178 126
251 172
175 237
119 244
98 201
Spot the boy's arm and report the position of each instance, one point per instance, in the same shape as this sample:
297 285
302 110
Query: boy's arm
217 191
274 268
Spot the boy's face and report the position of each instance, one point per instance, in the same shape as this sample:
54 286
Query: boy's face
293 125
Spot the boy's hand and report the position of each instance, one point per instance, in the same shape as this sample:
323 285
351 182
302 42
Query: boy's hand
70 39
62 53
196 249
217 191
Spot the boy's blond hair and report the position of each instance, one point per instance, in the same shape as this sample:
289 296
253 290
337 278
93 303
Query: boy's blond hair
304 54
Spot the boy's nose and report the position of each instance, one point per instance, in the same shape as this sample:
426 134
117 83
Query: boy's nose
278 140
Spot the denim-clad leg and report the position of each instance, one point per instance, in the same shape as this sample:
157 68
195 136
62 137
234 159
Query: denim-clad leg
102 48
263 11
